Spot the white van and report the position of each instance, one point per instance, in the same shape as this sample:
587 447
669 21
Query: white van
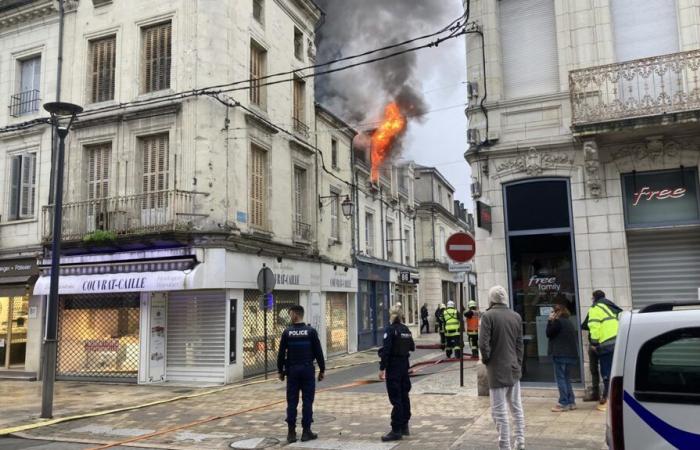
654 400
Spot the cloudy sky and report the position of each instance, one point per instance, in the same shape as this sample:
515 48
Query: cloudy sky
434 77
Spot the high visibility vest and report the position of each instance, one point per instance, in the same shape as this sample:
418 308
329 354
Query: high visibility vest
602 324
473 324
451 320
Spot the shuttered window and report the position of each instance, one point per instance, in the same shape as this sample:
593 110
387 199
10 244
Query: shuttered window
258 60
644 29
369 234
390 241
334 153
98 162
299 113
300 194
258 187
157 54
529 47
335 223
102 69
155 167
22 186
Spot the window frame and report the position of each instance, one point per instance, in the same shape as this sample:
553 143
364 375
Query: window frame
335 215
265 179
92 73
298 43
143 29
369 233
255 89
390 240
407 242
334 153
15 192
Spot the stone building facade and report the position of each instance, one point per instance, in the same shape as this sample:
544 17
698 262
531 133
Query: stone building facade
584 149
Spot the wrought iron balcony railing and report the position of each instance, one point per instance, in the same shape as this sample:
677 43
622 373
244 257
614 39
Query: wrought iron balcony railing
24 103
125 216
302 231
300 127
641 88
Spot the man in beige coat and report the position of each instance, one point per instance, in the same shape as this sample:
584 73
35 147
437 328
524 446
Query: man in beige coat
501 347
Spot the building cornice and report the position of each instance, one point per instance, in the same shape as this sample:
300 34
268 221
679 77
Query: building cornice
27 12
521 101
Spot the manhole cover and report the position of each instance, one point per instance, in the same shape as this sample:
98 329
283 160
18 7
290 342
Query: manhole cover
254 443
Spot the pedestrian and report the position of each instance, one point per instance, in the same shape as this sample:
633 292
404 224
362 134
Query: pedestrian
472 316
501 347
394 368
424 314
452 324
563 349
439 326
298 348
602 324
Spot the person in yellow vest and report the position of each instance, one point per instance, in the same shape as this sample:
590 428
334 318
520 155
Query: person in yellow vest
602 322
472 316
451 322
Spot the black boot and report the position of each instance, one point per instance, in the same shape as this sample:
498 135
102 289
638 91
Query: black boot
405 431
291 435
308 435
449 354
392 436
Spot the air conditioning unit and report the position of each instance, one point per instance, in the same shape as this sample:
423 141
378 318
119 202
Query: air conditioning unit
472 89
476 189
473 136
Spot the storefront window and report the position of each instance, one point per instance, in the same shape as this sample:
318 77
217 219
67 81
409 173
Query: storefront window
13 330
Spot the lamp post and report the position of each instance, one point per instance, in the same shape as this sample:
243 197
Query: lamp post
62 117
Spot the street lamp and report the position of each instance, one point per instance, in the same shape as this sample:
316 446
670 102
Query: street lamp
62 117
347 206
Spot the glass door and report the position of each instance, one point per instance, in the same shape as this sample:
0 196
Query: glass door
13 331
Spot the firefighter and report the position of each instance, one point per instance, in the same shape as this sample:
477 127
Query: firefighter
439 326
394 368
451 323
472 316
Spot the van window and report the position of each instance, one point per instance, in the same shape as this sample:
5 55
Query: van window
668 368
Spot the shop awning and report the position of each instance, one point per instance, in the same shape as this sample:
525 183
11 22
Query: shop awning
170 280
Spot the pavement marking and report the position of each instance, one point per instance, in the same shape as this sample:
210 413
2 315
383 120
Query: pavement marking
106 429
345 445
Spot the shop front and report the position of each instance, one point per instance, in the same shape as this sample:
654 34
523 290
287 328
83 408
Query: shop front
339 285
17 307
372 303
405 285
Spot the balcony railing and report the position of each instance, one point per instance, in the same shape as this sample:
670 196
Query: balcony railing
640 88
300 127
125 216
302 231
24 103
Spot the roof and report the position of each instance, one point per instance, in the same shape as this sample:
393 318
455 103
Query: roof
433 170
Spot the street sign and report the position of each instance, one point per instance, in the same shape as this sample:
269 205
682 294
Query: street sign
460 267
460 247
458 277
267 301
266 280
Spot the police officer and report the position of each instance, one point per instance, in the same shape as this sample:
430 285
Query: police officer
299 346
451 322
473 327
394 368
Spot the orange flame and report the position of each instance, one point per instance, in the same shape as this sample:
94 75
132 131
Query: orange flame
394 123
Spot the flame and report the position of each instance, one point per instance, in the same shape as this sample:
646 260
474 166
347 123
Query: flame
394 123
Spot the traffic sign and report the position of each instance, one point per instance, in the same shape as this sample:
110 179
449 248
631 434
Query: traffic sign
266 280
460 247
460 267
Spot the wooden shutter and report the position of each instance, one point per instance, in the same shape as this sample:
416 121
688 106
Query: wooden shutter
299 193
28 185
103 61
155 169
15 170
299 100
335 206
529 47
257 70
258 186
157 49
99 158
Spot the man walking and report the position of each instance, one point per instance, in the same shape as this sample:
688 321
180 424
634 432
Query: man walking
602 324
424 318
394 368
299 346
451 322
501 347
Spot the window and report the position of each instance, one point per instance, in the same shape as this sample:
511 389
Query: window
258 62
157 50
334 153
537 205
302 229
98 162
390 241
441 244
258 11
298 44
668 368
299 111
27 99
529 47
22 186
102 69
369 234
258 187
155 167
402 182
439 195
335 223
407 243
644 29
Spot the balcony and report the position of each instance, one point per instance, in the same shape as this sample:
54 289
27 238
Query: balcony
302 232
300 127
130 215
24 103
643 88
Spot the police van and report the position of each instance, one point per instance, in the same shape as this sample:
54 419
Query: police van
654 400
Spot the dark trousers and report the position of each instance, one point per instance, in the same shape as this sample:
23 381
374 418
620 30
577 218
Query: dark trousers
301 378
474 343
398 385
452 343
425 324
605 358
442 340
595 374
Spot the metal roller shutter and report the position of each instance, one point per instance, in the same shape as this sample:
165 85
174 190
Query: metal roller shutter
664 265
336 323
196 336
644 29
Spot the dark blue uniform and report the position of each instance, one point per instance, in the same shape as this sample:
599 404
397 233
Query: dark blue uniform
299 347
398 342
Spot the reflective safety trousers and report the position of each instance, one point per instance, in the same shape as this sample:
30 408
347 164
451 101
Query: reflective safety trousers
451 320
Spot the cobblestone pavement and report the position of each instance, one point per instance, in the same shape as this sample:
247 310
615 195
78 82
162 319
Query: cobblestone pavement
346 417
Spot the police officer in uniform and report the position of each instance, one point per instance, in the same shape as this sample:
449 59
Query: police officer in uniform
299 346
394 368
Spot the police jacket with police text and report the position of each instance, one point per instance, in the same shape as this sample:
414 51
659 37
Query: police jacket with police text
398 342
299 345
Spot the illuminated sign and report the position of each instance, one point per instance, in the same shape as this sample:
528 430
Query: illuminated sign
483 216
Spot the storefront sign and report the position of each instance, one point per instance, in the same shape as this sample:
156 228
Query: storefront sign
404 276
338 278
115 282
544 283
483 216
17 267
661 197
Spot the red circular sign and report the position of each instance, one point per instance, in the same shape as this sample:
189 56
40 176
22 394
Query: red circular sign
460 247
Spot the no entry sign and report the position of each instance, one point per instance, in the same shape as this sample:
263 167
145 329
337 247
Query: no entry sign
460 247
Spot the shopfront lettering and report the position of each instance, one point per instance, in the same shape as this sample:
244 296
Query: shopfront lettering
287 279
545 284
648 194
121 284
340 283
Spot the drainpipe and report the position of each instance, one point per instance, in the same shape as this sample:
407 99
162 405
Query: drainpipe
401 232
353 194
432 216
381 220
59 70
